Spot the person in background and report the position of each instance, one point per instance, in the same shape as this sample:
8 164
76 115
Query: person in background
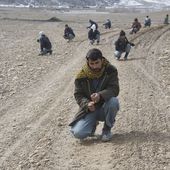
107 24
68 33
93 33
45 44
122 45
136 25
96 91
166 20
147 22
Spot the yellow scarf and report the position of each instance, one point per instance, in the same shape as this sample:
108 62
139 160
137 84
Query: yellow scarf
86 72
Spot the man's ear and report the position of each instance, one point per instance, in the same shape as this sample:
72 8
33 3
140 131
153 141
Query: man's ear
87 61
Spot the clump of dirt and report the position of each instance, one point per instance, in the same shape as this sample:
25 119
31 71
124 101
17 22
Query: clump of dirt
54 19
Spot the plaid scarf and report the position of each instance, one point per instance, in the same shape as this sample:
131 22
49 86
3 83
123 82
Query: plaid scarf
86 72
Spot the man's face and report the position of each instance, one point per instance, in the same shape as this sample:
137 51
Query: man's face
122 37
96 65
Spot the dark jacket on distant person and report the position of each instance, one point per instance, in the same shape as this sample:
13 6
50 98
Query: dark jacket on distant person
68 31
120 44
107 24
45 43
137 25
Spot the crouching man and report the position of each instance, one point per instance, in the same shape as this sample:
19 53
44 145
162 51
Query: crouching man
45 44
68 33
93 33
122 45
96 91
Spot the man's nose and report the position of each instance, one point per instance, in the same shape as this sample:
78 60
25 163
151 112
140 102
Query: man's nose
94 66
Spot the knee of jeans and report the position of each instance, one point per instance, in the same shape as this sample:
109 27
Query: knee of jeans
79 134
117 54
128 47
113 103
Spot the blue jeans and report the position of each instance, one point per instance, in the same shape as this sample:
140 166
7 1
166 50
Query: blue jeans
45 51
107 113
119 53
69 36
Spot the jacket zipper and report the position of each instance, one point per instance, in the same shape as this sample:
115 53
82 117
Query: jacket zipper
88 85
104 78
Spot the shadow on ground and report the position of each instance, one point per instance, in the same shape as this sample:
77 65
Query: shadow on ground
132 59
53 19
134 136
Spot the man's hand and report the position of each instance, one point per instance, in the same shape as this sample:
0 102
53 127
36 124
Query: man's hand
91 106
95 97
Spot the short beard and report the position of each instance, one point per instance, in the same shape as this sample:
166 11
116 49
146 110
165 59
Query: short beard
96 70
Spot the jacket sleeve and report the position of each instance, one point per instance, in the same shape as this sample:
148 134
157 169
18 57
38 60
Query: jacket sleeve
133 25
112 88
65 32
132 44
41 44
80 97
71 31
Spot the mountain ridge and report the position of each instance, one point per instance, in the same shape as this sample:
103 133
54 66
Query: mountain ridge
84 3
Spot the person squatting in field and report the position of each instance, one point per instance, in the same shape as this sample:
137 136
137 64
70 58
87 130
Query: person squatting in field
93 33
45 44
136 26
96 91
122 45
107 24
147 22
68 33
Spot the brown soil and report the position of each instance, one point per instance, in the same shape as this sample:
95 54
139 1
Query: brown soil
37 103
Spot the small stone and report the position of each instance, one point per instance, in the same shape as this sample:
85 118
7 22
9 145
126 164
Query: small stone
60 124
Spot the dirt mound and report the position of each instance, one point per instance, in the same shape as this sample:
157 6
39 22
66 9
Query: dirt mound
54 19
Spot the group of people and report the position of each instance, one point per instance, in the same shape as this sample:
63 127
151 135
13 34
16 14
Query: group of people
97 88
147 23
136 25
69 35
121 45
97 83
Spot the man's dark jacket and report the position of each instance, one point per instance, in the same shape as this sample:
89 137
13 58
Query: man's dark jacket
120 45
68 31
108 87
45 43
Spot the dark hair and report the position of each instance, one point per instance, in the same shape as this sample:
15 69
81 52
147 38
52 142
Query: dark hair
66 25
94 54
122 33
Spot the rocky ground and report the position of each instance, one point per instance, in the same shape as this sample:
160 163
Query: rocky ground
36 94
